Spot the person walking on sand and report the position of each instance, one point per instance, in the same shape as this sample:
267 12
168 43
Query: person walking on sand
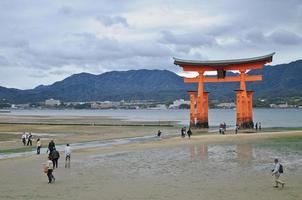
39 145
29 140
51 146
55 155
277 171
183 132
256 126
23 138
236 129
158 133
49 166
189 133
259 126
67 156
26 138
221 129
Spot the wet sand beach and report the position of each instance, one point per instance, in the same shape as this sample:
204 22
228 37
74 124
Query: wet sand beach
204 167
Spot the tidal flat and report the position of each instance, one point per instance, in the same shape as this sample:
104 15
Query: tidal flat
208 165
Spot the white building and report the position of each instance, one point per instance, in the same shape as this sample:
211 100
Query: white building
52 102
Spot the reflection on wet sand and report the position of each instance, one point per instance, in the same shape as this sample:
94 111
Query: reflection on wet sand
244 154
199 151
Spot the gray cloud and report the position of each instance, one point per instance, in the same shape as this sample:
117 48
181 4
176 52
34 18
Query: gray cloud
113 20
285 37
3 61
281 37
194 39
45 41
65 10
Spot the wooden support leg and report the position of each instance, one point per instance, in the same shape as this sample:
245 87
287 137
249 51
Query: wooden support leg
192 108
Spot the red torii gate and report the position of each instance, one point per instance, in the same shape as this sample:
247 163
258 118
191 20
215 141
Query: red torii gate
244 100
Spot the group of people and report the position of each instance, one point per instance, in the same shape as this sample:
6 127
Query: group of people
184 132
222 128
53 154
258 126
53 158
26 139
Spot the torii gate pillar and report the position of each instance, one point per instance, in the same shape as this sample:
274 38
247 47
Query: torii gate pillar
192 108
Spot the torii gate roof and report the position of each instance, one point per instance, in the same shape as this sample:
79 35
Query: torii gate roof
220 63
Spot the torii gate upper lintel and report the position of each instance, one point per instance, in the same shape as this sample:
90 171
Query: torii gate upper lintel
244 100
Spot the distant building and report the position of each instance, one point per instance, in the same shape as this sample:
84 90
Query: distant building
285 105
226 105
177 103
159 107
104 105
52 102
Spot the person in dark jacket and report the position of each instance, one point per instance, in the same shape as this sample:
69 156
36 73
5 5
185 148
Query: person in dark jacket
189 133
158 133
55 155
29 140
51 147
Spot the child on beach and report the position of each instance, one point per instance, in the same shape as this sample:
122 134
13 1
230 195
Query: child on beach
49 166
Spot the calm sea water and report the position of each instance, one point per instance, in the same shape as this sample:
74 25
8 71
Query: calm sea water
267 117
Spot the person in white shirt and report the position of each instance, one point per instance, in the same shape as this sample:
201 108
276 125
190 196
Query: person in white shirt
23 138
276 172
67 156
39 145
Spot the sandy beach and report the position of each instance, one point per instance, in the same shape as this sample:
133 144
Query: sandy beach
204 167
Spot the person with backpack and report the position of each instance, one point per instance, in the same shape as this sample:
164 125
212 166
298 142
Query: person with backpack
277 171
55 155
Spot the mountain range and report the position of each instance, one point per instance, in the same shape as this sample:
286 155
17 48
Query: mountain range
278 81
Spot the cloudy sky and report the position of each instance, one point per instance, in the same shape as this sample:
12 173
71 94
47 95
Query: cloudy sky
43 41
